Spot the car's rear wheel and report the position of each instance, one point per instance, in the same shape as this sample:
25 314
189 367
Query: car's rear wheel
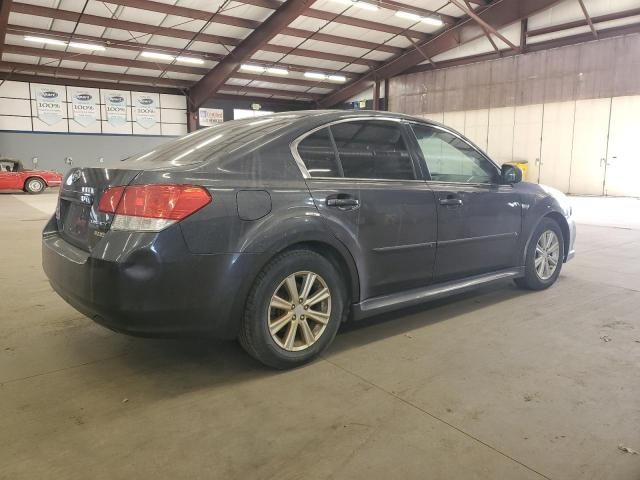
34 185
294 309
544 257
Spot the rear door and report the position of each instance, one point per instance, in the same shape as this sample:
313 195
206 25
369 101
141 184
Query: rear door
479 220
373 198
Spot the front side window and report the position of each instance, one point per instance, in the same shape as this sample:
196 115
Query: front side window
451 159
372 149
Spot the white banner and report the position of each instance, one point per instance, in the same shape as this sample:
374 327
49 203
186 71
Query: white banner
50 103
84 105
145 110
115 104
208 117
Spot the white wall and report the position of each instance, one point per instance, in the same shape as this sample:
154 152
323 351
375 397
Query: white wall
18 113
583 147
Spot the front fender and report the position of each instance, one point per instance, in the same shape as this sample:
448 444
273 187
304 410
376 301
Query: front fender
539 206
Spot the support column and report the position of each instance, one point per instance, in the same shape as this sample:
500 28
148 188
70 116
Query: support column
376 95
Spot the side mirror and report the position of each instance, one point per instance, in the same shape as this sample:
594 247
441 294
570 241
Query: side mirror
510 174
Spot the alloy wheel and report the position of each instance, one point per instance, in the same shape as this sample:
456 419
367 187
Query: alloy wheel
547 255
299 311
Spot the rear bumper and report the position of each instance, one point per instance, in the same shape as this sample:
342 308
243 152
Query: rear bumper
157 288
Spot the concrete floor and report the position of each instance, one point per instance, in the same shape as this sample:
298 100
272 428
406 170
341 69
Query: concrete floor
498 384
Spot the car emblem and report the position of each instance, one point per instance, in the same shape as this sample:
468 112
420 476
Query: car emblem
75 176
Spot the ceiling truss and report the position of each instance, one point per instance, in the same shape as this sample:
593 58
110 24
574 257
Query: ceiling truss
294 37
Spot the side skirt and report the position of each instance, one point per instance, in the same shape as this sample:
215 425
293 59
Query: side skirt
395 301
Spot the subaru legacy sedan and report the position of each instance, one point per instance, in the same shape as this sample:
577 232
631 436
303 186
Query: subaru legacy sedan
276 230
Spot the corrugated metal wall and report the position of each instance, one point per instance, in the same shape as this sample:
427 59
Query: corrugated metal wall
606 68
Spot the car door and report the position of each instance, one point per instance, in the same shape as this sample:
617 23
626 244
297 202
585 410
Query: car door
9 180
479 219
372 196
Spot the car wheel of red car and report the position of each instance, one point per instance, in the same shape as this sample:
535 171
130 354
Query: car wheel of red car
34 185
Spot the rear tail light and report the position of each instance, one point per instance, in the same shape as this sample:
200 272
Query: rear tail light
150 208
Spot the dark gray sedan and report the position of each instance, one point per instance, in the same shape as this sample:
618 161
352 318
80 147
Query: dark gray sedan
275 230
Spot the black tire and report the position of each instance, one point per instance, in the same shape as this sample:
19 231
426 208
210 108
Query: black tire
532 280
34 185
255 336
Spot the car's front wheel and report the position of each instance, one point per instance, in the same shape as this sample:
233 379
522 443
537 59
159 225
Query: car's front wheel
544 256
294 309
34 185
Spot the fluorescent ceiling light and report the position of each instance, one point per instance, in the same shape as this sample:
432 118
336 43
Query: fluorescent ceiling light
358 3
436 22
86 46
49 41
197 61
408 15
252 68
414 17
316 75
337 78
160 56
278 71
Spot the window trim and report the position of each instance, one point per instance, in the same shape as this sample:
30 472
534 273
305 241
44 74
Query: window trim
498 169
303 168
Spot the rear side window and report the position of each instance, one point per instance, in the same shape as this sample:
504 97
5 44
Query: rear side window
372 149
360 149
318 154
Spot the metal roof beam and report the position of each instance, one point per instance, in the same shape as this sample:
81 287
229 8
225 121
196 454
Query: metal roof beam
87 83
194 13
588 18
103 60
25 68
60 14
212 81
139 47
269 91
67 15
5 8
534 47
342 19
583 23
498 14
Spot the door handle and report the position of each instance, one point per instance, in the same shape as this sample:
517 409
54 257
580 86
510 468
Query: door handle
343 202
451 201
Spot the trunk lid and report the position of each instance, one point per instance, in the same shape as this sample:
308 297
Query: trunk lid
79 221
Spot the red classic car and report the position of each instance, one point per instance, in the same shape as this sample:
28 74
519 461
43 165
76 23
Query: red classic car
13 176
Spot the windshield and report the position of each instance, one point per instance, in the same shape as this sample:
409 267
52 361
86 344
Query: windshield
210 143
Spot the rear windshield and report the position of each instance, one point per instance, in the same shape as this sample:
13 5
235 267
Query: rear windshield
210 143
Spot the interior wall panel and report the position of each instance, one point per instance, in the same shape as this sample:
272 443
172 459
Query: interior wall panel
557 144
476 126
527 137
18 112
588 157
454 120
500 134
622 176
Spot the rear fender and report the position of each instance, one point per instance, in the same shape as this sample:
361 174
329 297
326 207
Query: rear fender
302 229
